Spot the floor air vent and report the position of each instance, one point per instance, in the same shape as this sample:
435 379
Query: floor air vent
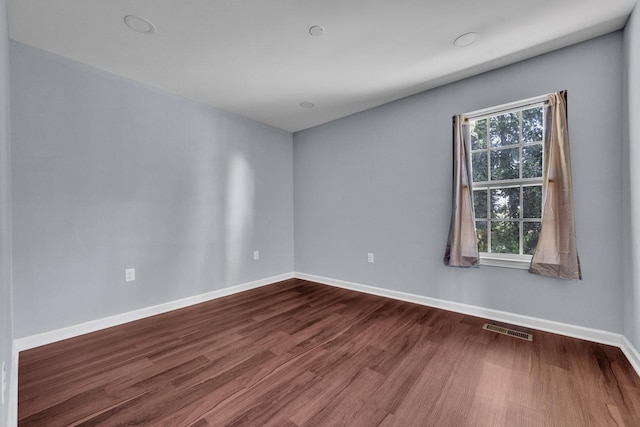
507 331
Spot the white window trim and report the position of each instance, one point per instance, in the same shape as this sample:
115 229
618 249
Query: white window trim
504 108
521 262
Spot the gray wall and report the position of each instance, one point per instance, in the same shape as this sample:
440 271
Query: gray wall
6 332
632 181
379 181
109 174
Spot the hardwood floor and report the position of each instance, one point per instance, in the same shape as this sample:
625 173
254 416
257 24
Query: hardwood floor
298 353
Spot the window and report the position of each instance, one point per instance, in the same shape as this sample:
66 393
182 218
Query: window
506 166
501 165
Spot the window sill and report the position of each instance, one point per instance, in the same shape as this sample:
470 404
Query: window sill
520 262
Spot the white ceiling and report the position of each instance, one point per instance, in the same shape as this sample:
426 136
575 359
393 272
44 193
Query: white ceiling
256 58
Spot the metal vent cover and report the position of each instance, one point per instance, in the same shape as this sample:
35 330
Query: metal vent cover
506 331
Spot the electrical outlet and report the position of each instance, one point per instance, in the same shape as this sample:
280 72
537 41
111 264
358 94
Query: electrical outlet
4 381
256 255
370 258
130 275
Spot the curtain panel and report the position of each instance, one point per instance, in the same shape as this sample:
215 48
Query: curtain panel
556 253
462 245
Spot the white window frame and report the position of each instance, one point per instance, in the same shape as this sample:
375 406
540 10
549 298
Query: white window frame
518 261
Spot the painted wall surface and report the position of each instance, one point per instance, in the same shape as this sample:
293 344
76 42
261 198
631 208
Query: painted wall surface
632 86
6 329
380 181
109 174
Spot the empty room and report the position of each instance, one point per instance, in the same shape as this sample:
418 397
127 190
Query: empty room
330 213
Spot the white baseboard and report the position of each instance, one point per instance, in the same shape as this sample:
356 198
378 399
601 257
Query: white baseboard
574 331
12 409
632 353
119 319
595 335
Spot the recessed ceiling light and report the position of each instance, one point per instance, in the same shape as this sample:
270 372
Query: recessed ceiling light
307 104
465 39
139 24
316 31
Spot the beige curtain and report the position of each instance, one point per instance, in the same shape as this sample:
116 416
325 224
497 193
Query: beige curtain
462 246
556 254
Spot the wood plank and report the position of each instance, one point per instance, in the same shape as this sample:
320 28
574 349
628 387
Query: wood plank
298 353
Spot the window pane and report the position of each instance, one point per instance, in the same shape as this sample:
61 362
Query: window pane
505 203
504 164
480 203
481 233
505 237
532 125
479 166
531 161
532 203
504 130
479 135
530 234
